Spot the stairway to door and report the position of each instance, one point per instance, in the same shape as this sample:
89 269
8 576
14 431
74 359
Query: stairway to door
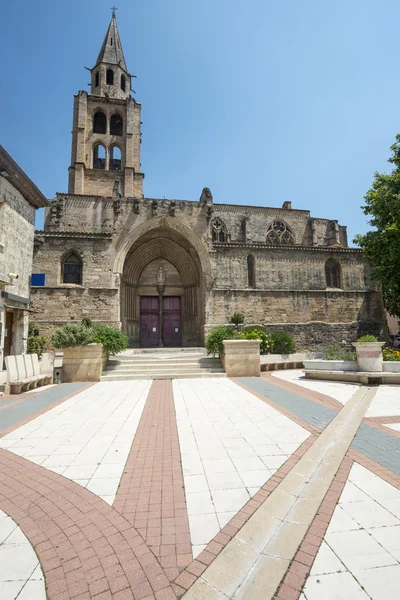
162 363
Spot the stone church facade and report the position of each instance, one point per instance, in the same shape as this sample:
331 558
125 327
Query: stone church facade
167 271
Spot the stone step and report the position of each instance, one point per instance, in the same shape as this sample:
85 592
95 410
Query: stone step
178 375
132 351
166 372
113 366
161 357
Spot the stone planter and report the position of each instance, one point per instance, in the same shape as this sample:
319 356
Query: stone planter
391 366
241 358
330 365
83 363
369 355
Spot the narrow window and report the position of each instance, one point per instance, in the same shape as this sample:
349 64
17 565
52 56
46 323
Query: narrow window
123 83
116 125
99 122
97 80
72 269
99 157
110 77
115 159
111 42
251 271
333 274
218 229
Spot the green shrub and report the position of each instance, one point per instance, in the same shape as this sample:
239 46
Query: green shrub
367 338
260 334
113 339
215 339
282 343
36 344
237 319
71 335
33 329
86 322
336 352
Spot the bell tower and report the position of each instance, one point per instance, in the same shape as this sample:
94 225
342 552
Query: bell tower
106 128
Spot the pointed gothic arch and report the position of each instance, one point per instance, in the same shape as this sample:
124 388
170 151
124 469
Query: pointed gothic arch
279 234
219 231
115 158
99 122
116 124
99 156
71 269
333 274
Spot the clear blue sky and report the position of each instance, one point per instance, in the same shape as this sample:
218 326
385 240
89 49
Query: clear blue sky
260 100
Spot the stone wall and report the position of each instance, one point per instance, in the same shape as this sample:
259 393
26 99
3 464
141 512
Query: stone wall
290 281
96 254
102 214
288 268
294 307
54 307
17 218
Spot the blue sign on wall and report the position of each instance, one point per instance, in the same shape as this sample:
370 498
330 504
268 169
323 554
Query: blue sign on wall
38 279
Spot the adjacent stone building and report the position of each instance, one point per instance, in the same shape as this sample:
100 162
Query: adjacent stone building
167 271
19 199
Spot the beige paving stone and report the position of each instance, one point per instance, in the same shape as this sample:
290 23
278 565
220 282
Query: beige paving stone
201 590
233 563
278 505
256 532
303 511
287 539
263 579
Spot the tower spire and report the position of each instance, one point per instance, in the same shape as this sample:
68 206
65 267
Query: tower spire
111 51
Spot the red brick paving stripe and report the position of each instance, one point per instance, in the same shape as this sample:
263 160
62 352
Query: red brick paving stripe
193 571
296 576
278 407
85 547
322 399
383 420
39 412
151 493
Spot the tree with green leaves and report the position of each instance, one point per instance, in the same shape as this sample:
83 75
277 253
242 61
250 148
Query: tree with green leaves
382 245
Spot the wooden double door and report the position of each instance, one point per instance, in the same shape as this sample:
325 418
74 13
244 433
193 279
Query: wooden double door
171 319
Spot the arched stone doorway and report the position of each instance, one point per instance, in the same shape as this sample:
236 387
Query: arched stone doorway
176 316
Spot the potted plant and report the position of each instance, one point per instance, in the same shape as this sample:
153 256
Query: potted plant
86 349
369 353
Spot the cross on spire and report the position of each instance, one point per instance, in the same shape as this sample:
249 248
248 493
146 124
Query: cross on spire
113 9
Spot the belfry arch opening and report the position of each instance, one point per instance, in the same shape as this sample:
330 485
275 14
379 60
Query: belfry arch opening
163 292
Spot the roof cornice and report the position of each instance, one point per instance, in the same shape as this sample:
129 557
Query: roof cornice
20 180
293 248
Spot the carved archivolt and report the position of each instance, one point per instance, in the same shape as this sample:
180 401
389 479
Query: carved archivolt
161 248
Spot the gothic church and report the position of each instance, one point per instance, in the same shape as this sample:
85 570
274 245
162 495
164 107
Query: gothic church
167 271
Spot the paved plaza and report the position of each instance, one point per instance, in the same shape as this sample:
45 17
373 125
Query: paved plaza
203 489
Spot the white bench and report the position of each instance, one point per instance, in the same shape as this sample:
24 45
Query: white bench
23 373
